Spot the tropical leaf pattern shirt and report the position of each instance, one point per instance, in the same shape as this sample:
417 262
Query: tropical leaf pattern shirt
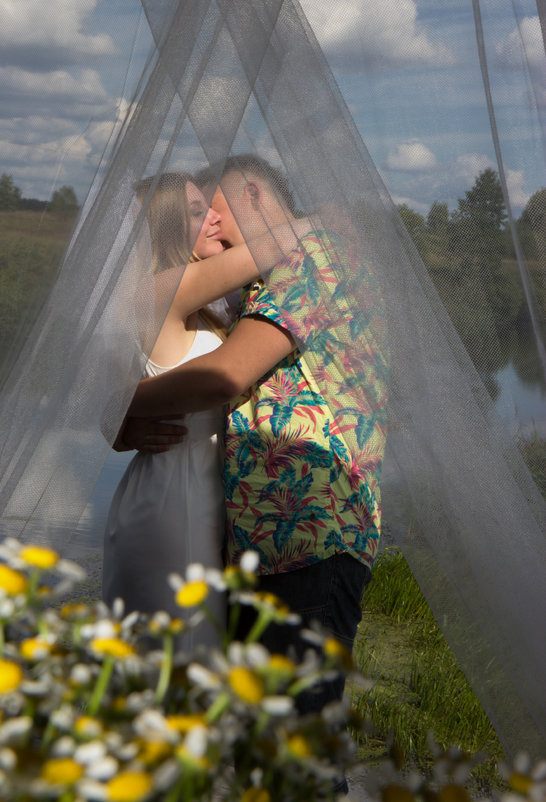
295 491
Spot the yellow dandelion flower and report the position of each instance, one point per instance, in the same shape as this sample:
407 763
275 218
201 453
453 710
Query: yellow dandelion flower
77 610
396 793
231 571
35 648
112 647
521 783
184 724
129 786
192 761
61 771
119 704
272 600
338 651
236 579
152 752
281 664
39 556
247 685
88 727
11 676
12 582
255 795
192 593
299 745
174 627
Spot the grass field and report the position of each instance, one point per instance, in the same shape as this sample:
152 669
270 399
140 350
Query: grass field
418 688
31 247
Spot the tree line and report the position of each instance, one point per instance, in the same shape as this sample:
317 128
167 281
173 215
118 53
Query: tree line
479 221
62 200
470 256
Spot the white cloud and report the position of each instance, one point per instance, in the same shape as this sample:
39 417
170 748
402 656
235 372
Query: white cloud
470 165
515 180
73 148
47 33
375 33
524 43
410 156
81 94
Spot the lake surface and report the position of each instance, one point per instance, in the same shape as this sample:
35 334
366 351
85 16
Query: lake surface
522 405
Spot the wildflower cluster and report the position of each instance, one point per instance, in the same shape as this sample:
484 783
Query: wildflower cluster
449 779
98 705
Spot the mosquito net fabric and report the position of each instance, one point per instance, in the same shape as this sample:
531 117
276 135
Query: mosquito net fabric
405 330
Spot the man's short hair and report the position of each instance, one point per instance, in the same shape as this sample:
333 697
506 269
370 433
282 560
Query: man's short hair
249 163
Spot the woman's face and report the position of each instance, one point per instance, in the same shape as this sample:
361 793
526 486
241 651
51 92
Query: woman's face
204 224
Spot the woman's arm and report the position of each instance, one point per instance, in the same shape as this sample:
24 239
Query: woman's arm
252 350
212 278
218 275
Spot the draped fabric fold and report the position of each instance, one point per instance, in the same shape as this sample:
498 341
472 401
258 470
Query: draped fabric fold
230 78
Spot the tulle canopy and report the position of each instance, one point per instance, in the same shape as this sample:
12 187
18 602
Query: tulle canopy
441 264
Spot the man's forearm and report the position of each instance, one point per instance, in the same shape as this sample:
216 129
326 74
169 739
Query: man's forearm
188 388
253 348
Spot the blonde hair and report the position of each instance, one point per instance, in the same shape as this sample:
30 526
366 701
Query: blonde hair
168 219
169 224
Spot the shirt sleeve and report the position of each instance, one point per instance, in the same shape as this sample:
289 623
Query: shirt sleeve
259 301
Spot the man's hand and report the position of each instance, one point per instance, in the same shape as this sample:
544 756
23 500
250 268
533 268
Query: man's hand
152 435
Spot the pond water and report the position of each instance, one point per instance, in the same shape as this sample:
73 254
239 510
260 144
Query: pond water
521 404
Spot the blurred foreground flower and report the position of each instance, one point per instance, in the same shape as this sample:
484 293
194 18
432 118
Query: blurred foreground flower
98 705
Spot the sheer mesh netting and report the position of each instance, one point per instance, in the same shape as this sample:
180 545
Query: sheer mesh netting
405 319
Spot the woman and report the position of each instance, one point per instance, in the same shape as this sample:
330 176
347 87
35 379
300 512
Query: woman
168 510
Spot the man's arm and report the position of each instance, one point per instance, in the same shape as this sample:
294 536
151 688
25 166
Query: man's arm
148 434
252 350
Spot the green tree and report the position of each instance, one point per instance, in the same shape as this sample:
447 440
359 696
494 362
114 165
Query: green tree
438 218
479 220
415 225
10 195
532 225
64 200
483 206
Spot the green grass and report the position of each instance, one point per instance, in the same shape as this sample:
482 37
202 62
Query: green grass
533 451
418 687
31 246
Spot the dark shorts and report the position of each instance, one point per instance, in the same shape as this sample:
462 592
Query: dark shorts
328 592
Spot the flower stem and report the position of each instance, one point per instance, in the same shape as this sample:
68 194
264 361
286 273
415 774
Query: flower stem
221 703
260 625
101 685
166 668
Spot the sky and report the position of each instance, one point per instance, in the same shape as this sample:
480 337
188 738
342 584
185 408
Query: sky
408 70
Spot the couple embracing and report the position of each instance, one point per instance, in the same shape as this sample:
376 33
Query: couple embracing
253 412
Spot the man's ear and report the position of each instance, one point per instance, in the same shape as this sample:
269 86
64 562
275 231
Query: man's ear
253 191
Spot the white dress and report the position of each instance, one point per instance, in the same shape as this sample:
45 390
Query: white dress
168 511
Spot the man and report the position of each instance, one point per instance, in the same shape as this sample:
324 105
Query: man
294 493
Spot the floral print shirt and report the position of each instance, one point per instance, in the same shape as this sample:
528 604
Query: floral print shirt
295 492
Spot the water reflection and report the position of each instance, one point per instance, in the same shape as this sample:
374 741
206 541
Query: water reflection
518 386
